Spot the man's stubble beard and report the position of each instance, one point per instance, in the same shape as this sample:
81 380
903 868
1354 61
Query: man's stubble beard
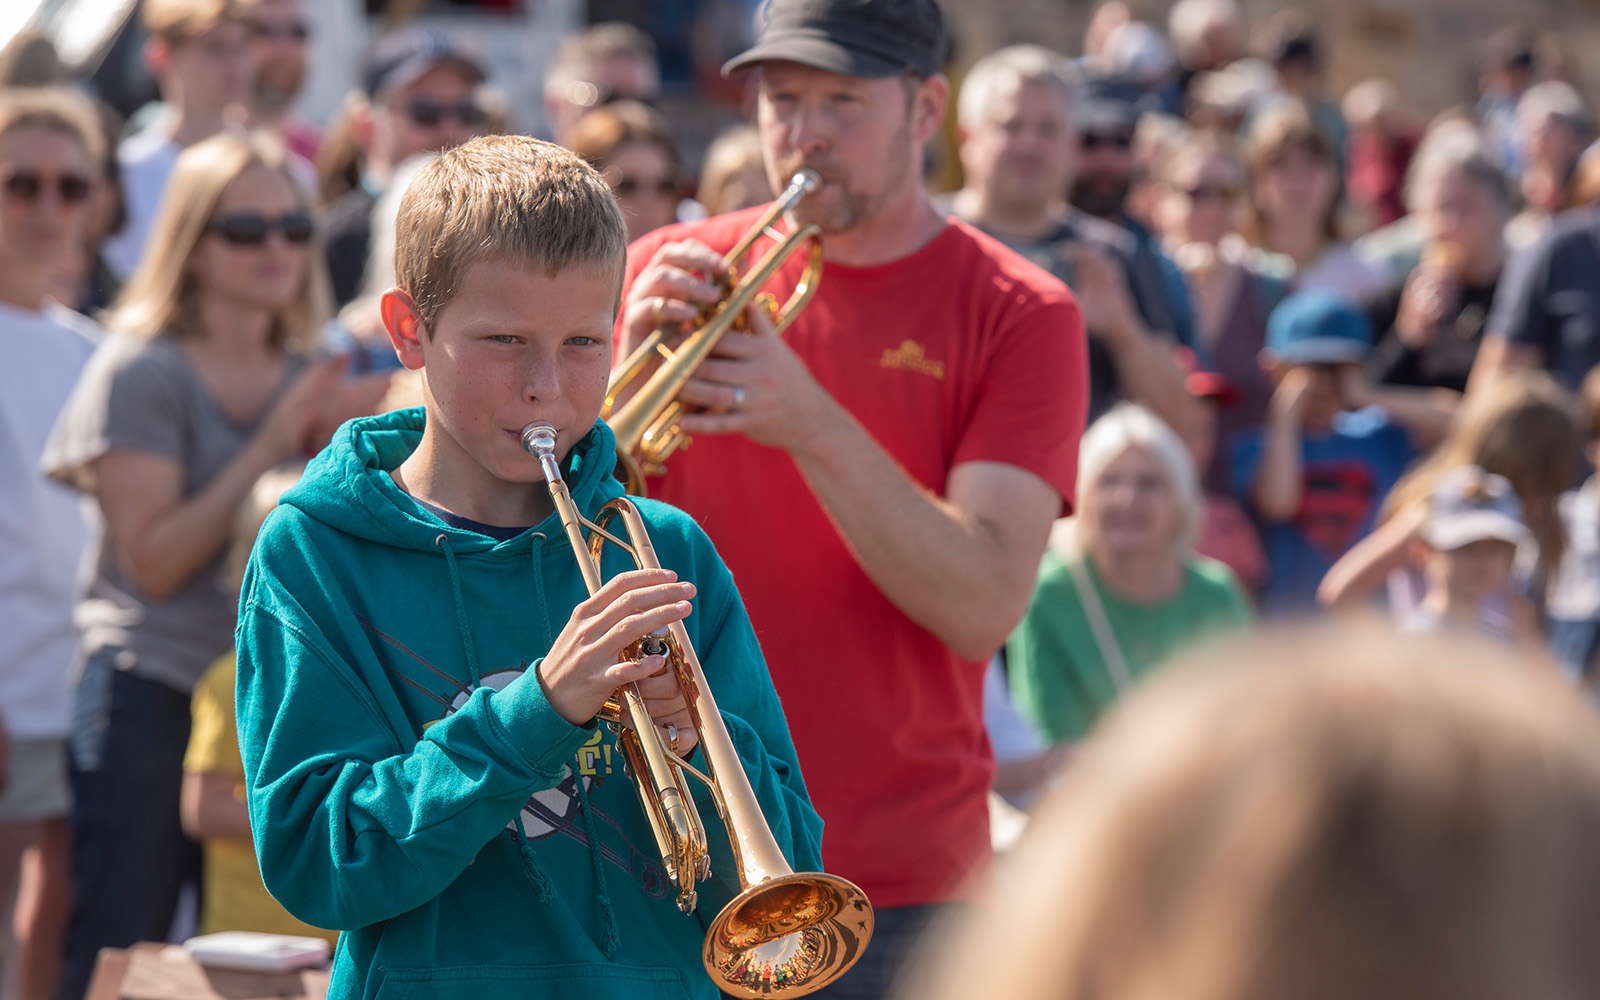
275 95
849 208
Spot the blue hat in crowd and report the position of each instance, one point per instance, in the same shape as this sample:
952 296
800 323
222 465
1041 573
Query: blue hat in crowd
1318 327
1470 505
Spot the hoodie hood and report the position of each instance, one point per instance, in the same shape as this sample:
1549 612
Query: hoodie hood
348 486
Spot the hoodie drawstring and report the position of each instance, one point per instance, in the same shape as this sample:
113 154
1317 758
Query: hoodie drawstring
443 542
530 863
608 917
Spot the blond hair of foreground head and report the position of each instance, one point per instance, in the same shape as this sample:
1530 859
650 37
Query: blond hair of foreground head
1325 814
502 198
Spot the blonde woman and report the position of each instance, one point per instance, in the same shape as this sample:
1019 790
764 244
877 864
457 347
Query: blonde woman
207 382
1327 814
1120 588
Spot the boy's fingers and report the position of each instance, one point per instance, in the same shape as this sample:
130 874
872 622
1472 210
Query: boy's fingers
632 603
634 626
622 585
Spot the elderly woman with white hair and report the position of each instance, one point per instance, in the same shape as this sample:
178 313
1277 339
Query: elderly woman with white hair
1120 587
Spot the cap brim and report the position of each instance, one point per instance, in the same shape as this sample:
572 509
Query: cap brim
414 69
1097 117
808 48
1454 531
1324 351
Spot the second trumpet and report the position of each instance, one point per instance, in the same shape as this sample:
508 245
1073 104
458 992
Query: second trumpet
646 424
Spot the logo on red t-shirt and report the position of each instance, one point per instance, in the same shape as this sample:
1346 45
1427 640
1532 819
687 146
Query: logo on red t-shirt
913 357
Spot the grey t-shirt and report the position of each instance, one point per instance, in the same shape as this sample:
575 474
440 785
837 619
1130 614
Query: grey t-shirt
140 394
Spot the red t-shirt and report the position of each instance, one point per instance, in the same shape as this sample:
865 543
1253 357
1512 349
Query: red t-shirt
961 352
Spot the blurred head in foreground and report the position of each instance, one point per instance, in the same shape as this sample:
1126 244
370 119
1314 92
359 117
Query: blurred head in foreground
1315 815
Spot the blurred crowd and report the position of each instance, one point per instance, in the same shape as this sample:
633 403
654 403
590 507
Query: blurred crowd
1341 357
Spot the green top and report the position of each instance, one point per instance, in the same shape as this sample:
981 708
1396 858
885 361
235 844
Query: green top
1059 680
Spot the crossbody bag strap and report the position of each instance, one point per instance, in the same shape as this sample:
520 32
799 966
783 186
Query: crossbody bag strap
1104 637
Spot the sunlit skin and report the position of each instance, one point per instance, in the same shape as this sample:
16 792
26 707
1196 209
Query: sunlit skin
1463 212
861 135
267 275
396 138
1103 176
1295 194
35 233
1021 150
211 70
1132 509
1467 576
649 199
280 58
514 345
1318 391
1199 203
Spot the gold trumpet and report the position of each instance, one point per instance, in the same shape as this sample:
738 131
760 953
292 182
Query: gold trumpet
784 934
646 426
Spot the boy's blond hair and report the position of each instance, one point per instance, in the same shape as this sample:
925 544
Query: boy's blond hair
502 197
55 109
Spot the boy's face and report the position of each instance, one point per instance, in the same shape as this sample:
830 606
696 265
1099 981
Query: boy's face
1325 394
1473 572
513 346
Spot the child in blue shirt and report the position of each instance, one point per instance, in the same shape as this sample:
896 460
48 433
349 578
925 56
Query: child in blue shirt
1332 445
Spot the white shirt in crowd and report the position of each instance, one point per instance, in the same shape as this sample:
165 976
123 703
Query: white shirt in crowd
43 529
146 160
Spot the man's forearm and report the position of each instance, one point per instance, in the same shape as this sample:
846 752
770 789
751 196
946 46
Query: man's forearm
948 571
1148 374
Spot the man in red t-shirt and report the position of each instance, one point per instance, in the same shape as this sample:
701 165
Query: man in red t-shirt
882 478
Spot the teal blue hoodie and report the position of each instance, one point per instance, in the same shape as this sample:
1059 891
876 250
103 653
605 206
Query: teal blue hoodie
409 783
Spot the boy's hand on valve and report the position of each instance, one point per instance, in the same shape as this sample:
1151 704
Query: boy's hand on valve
583 669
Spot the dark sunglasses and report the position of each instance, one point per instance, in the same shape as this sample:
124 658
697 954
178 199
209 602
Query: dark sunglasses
627 187
1121 140
29 186
425 112
248 230
295 31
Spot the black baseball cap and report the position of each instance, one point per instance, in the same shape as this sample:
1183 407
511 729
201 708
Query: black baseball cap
865 38
402 56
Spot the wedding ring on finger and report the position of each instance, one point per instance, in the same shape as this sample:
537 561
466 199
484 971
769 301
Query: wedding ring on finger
738 399
672 737
655 313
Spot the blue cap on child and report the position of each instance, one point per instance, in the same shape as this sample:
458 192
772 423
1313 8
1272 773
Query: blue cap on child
1318 327
1469 505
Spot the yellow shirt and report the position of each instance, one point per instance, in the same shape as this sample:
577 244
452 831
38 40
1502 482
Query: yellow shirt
235 899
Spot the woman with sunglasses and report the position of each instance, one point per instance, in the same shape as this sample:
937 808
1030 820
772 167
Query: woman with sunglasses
49 142
207 383
632 147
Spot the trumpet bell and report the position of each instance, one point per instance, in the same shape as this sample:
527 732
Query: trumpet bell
788 936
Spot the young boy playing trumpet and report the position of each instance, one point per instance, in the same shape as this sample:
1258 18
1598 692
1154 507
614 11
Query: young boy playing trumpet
420 665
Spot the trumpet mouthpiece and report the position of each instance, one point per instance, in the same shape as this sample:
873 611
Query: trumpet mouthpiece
806 179
539 439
